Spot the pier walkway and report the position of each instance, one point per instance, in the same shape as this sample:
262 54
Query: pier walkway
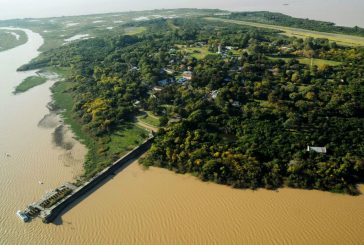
52 204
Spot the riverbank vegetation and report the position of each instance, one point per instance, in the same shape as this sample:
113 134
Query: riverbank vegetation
11 38
233 115
30 82
103 150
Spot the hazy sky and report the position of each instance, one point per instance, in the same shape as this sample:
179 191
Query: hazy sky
345 12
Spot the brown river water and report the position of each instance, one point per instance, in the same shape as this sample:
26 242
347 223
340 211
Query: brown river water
139 206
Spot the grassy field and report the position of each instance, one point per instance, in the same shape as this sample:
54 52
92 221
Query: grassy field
307 61
126 139
28 83
11 38
197 52
297 32
102 151
134 30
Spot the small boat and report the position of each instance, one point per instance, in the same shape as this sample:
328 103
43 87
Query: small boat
22 216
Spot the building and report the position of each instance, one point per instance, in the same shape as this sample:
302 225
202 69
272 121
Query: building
166 81
182 80
168 71
163 82
316 149
219 49
214 94
134 68
136 103
187 75
157 89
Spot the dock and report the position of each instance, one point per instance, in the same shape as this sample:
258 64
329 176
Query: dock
50 199
54 202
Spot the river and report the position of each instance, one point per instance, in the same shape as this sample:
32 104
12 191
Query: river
139 206
347 13
27 152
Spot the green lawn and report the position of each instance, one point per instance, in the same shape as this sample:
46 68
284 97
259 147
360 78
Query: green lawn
126 139
307 61
289 31
9 40
318 62
198 52
106 149
29 83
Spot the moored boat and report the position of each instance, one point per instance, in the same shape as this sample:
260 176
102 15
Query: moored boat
22 216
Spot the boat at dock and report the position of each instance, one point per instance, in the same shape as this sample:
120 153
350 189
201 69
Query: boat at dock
54 201
42 207
22 216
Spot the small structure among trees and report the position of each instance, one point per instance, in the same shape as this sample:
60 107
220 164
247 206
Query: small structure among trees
317 149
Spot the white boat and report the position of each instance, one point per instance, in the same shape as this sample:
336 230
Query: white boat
22 216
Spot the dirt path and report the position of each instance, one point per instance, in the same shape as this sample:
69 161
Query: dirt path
147 126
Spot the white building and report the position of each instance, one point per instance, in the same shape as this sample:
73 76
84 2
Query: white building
317 149
214 94
187 75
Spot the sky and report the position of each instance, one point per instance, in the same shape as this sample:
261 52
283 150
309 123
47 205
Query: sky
343 12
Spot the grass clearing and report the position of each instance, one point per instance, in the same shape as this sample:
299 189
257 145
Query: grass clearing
308 61
134 30
198 52
29 82
149 118
342 39
126 139
107 149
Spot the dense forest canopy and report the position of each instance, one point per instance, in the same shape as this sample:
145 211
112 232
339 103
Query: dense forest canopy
254 102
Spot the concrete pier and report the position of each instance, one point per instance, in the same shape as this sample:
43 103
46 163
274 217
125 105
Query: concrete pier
52 204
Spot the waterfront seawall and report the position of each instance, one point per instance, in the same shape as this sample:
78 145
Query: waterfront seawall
50 214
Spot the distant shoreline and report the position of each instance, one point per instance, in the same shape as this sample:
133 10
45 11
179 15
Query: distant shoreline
289 8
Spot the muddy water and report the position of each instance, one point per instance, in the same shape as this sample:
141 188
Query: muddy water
156 206
28 153
140 206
